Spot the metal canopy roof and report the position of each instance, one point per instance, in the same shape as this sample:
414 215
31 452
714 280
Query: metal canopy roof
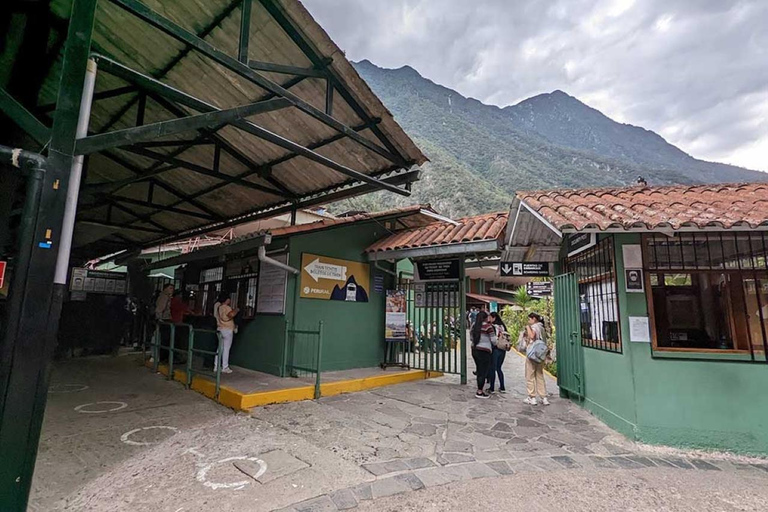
243 117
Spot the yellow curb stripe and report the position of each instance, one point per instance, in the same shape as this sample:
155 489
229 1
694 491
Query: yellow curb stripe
244 401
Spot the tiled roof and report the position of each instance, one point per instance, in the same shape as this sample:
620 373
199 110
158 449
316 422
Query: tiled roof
699 206
336 221
486 227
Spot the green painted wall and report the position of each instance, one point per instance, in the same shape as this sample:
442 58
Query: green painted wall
699 404
353 332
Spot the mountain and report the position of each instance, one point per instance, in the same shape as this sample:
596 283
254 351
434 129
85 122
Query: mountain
481 154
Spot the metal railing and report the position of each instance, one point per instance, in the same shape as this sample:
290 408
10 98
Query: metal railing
303 353
190 351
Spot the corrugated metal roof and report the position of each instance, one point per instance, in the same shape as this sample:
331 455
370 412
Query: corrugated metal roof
723 206
134 43
486 227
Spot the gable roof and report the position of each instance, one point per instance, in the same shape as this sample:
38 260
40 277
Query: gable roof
723 206
480 228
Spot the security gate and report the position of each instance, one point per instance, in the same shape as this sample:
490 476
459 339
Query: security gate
570 357
436 327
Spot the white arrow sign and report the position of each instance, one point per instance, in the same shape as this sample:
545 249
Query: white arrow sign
506 269
318 270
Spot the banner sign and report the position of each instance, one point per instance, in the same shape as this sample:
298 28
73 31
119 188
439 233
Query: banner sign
437 270
334 279
522 269
98 281
395 316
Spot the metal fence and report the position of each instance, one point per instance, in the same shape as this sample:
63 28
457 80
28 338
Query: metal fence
303 353
435 327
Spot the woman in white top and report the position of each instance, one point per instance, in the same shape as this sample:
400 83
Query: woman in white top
225 324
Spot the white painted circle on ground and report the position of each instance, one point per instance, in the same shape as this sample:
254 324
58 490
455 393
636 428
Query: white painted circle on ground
202 473
84 407
66 388
125 437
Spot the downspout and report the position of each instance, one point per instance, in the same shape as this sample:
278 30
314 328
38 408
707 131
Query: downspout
379 267
75 174
271 261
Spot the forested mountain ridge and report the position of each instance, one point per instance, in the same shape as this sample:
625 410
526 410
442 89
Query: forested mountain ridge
481 154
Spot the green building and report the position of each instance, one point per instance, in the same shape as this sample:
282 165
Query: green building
662 300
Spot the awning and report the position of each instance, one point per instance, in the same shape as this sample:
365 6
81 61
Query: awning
478 235
209 113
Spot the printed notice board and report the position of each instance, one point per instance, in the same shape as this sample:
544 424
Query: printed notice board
273 281
334 279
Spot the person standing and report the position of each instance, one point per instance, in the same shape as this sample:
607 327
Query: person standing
225 322
534 361
163 303
482 345
497 356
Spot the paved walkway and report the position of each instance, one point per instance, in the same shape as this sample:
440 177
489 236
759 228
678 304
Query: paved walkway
337 453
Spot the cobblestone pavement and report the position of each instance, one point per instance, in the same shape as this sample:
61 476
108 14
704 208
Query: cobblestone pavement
345 452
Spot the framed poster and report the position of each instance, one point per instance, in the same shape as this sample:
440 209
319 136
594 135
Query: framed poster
327 278
395 315
273 282
634 280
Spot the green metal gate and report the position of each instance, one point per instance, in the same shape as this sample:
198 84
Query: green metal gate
436 327
570 357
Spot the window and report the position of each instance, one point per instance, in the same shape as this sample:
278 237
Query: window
709 292
210 287
598 300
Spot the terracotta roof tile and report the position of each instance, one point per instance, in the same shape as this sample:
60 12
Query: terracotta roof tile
721 205
486 227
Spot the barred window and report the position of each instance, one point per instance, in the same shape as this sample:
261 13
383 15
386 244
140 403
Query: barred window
210 287
709 292
598 298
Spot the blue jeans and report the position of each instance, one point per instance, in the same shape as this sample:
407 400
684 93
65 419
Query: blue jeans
497 360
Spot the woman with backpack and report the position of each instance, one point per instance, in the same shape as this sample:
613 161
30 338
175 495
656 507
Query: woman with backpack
483 338
536 354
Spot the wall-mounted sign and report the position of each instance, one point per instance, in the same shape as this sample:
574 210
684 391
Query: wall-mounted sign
436 270
378 283
580 242
396 315
273 281
539 289
334 279
522 269
634 280
639 329
436 295
98 281
3 265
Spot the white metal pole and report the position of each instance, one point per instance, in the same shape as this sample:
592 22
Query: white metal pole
75 174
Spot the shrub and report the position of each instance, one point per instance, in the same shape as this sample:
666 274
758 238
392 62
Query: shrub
516 320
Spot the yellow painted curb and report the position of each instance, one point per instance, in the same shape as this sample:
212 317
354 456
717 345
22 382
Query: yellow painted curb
245 401
524 357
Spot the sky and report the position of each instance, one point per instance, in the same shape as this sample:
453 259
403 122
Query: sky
694 71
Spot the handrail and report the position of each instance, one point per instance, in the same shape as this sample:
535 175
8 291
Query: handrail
317 370
190 351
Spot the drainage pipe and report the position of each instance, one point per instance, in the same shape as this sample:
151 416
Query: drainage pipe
271 261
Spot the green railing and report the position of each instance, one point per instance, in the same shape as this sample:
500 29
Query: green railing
303 353
190 351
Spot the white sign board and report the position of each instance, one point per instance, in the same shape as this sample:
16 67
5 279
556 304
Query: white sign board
639 329
273 282
633 256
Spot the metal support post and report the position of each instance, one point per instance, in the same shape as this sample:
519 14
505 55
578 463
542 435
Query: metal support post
24 381
319 359
463 321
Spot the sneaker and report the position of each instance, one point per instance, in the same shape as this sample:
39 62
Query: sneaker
503 391
544 401
530 401
226 370
482 395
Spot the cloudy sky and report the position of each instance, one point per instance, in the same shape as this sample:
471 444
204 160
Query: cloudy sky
695 71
